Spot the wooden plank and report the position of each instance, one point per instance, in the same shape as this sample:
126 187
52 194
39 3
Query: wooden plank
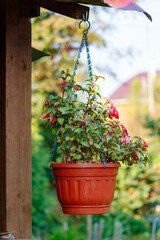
2 122
15 119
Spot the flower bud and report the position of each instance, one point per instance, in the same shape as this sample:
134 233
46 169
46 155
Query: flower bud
46 116
47 102
54 119
145 144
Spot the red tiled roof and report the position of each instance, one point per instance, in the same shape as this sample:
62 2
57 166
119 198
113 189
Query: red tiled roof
124 90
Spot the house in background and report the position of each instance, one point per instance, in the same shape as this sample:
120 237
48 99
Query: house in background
133 99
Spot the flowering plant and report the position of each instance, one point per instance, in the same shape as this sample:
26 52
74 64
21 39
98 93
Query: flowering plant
91 131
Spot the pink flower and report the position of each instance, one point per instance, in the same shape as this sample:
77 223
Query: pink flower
63 86
104 137
59 129
116 114
125 139
112 110
145 144
46 116
76 88
47 102
69 160
54 119
152 195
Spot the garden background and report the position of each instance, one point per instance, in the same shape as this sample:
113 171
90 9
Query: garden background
135 211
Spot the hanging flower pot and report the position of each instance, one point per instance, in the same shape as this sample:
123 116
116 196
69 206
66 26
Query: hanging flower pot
93 142
85 188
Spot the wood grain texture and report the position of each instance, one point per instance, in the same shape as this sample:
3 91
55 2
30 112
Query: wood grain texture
15 118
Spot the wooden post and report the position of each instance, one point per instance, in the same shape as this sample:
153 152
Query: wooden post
15 120
89 227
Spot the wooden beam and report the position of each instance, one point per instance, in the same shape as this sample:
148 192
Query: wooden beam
72 10
29 9
15 121
88 2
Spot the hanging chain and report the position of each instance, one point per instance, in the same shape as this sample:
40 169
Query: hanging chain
84 40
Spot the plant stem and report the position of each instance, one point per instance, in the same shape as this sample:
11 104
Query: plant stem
90 92
64 156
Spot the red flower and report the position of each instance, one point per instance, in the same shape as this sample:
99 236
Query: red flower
104 137
116 114
135 157
124 130
47 102
56 106
46 116
54 119
145 144
76 88
59 129
82 123
143 150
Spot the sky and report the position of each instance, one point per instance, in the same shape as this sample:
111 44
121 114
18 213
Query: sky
132 30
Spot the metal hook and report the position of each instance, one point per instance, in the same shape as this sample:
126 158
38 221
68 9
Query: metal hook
86 30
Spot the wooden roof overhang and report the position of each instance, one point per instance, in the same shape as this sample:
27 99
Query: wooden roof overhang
71 8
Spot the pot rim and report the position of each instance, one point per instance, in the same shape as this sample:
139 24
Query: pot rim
84 165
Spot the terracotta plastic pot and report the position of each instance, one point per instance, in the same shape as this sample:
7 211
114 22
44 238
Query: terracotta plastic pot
85 188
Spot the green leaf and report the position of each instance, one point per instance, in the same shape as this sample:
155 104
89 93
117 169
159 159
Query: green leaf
61 121
68 138
78 130
140 164
63 110
63 130
90 141
85 144
97 145
108 138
